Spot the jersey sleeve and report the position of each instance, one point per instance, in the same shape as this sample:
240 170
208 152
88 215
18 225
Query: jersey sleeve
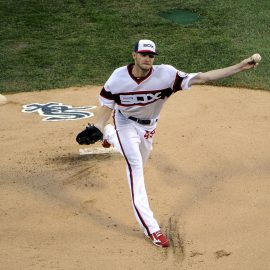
185 81
106 97
181 81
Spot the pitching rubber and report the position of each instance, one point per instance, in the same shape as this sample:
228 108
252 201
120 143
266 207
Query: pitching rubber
98 151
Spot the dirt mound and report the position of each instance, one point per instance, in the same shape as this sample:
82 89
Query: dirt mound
207 181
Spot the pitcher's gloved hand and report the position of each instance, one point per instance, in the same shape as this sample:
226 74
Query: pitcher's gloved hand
89 135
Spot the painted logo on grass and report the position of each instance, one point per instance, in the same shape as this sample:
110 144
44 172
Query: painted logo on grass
54 111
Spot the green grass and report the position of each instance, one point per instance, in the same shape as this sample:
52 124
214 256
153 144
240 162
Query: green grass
50 44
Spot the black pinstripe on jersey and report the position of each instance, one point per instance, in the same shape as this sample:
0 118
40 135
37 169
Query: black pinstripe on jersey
139 98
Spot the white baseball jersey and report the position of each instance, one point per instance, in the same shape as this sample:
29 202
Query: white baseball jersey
143 98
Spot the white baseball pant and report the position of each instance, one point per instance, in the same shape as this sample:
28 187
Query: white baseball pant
134 141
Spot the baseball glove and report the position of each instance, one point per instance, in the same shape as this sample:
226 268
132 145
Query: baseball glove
89 135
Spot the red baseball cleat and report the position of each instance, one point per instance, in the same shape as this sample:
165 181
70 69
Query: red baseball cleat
159 239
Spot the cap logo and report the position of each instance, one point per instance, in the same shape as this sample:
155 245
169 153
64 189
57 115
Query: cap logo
148 45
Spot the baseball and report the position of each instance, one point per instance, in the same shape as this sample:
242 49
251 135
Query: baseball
3 100
256 58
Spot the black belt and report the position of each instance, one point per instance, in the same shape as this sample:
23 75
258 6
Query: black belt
141 121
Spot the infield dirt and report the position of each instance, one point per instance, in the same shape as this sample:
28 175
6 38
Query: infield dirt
207 182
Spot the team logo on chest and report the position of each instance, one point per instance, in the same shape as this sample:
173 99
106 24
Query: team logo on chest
140 98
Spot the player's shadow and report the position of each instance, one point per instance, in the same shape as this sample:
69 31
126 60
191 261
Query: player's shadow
75 159
84 175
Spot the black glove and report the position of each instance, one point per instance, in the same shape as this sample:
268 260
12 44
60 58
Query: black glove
89 135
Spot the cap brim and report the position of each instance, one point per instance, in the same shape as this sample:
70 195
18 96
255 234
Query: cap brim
147 51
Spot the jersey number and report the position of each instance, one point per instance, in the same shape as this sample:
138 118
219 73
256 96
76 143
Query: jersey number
149 134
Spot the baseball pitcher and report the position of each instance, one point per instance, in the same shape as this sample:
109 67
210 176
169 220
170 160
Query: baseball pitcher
135 94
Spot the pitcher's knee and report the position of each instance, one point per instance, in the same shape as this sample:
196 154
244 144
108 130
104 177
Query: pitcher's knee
135 162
